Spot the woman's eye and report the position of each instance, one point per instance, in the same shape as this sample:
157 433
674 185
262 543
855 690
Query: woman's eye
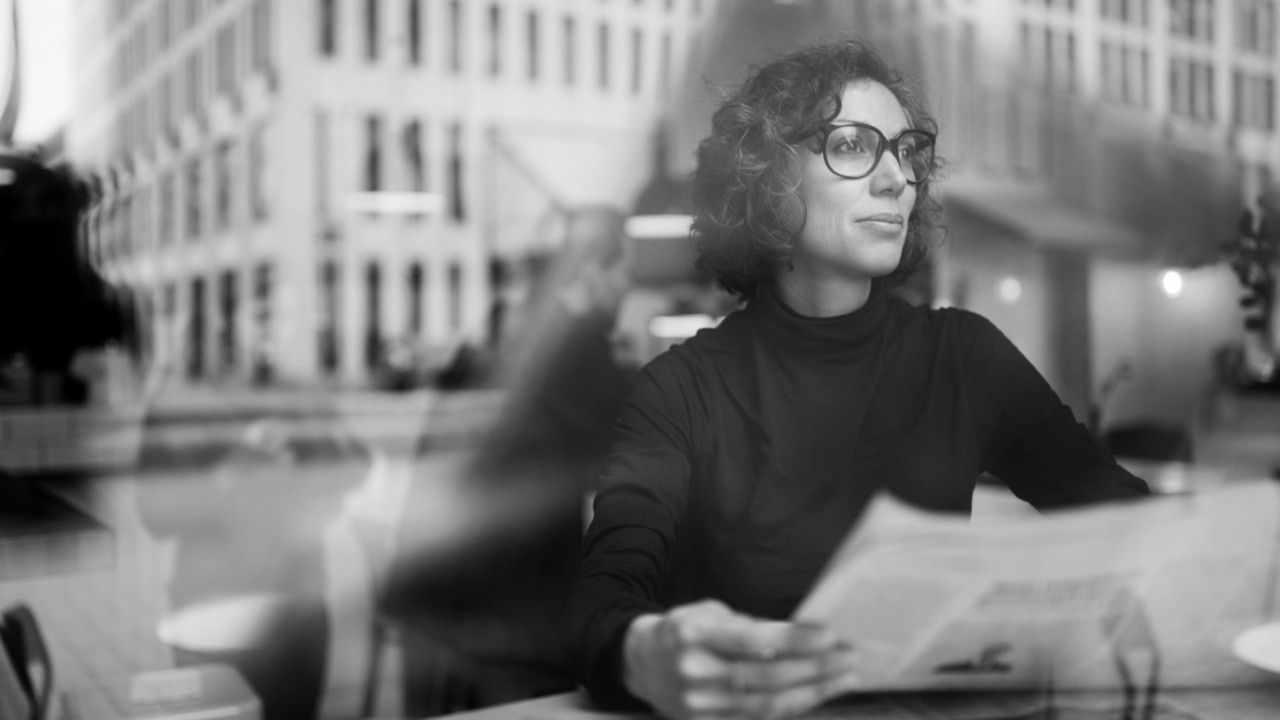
852 145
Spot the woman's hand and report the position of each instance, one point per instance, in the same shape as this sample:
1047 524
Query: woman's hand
703 660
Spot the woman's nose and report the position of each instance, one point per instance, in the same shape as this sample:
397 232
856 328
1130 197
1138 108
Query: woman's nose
888 176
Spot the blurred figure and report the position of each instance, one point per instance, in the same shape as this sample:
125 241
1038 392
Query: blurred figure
52 303
247 585
489 594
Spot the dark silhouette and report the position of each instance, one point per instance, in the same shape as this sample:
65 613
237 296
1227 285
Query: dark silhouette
52 302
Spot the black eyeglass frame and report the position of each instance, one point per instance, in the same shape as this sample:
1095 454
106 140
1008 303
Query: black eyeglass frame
885 144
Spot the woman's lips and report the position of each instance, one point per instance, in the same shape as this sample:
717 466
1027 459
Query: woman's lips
884 218
885 223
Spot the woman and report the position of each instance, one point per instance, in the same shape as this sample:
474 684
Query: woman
746 454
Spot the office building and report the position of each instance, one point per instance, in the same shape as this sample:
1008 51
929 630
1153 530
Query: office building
292 186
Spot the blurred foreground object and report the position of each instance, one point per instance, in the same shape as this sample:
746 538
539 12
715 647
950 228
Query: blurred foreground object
1254 254
249 576
203 691
478 602
52 303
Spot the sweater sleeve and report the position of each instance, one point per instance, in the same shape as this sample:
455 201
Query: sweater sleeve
1031 440
627 549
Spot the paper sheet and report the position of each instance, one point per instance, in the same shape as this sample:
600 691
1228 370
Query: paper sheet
1123 595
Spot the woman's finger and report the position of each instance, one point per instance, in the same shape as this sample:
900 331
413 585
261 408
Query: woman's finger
742 636
787 672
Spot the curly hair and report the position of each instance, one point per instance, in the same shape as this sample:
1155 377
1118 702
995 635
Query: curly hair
748 210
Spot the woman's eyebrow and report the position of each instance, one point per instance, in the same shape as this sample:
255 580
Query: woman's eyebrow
846 121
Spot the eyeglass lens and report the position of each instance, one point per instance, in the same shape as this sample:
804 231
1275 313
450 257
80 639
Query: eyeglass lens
853 151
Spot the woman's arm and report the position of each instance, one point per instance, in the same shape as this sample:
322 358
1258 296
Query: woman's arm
626 551
1030 439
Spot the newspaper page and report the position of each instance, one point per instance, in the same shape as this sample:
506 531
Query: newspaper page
1141 593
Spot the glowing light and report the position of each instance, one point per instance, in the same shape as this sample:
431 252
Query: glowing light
1009 290
658 227
679 327
1171 281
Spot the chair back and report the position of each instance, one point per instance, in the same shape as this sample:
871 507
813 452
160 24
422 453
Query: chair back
26 664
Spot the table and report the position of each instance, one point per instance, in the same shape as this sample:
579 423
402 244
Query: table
1261 702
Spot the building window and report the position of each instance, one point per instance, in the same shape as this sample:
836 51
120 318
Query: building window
225 58
455 36
168 342
455 296
257 174
222 185
1256 26
164 24
373 153
195 331
167 209
1060 60
531 43
193 193
495 40
328 28
229 296
415 299
602 56
664 65
415 31
1124 74
457 186
263 354
124 229
167 111
195 83
637 59
371 35
569 40
260 59
322 143
1191 19
330 338
1191 89
1255 97
414 160
143 218
1126 12
373 316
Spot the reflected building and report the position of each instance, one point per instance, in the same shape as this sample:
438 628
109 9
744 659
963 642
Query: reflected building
1096 144
295 186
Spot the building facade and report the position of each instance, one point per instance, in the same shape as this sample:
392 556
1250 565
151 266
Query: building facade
294 186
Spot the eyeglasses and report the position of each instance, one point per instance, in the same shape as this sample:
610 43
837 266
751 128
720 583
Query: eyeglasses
853 150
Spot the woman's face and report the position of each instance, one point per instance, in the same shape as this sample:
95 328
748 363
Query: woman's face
855 229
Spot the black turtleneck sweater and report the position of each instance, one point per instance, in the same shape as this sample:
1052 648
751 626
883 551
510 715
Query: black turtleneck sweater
745 454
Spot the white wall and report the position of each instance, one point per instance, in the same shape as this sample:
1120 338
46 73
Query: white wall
1170 341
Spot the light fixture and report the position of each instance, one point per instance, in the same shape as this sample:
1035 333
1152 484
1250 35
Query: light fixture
1171 283
1009 290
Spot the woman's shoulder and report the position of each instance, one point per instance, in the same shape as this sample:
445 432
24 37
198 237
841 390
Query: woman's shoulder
946 317
969 332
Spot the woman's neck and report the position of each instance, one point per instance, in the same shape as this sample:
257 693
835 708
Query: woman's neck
826 297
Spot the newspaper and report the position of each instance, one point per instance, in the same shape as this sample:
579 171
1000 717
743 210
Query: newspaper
1128 595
